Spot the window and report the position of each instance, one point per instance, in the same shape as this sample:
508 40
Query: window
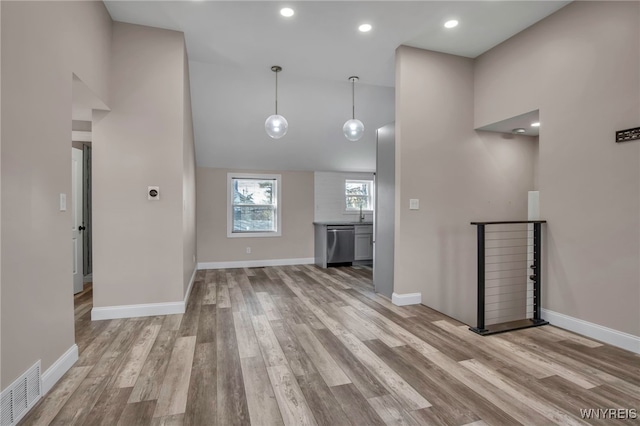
253 205
359 194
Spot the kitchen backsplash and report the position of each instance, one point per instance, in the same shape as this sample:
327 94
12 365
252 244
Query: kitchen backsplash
329 196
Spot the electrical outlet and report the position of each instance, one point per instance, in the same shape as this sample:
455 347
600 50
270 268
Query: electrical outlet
414 204
248 250
153 193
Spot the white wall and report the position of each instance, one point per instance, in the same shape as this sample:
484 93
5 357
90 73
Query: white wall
231 106
43 45
581 69
330 203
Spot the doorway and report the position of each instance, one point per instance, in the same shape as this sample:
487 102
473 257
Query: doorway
84 102
81 210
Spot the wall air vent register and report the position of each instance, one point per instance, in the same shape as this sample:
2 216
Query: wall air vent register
17 399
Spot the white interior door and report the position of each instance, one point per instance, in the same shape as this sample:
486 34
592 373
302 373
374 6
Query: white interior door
76 219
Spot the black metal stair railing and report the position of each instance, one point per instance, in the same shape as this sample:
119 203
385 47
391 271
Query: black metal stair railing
509 276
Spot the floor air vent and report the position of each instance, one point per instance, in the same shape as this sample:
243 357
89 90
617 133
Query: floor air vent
18 398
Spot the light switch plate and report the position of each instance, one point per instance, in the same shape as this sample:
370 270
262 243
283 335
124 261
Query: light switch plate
63 202
414 204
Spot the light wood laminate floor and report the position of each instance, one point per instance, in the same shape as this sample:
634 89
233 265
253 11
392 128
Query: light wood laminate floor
300 345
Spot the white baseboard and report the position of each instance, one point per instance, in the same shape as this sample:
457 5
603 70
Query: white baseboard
145 309
256 263
604 334
57 370
142 310
406 299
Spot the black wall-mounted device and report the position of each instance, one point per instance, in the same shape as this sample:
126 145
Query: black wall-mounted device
628 135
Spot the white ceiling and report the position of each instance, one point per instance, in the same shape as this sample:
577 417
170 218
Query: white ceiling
232 45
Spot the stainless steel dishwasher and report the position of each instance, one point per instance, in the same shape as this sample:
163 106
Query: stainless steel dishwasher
340 244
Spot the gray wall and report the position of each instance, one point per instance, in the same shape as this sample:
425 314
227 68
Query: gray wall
296 241
138 245
52 40
458 175
581 69
144 140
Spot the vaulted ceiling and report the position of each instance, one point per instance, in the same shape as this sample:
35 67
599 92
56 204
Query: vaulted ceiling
233 44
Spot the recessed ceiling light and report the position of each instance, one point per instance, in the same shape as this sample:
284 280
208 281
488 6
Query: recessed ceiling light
518 130
365 28
451 24
287 12
536 124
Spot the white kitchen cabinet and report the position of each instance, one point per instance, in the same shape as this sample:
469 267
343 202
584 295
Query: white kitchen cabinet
363 243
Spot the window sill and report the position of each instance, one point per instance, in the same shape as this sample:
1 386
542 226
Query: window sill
253 234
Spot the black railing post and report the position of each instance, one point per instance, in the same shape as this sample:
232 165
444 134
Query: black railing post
537 268
480 324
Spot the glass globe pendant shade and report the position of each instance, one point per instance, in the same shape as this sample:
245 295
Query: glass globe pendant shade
353 129
276 126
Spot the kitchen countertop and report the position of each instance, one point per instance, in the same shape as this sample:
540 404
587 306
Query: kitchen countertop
342 222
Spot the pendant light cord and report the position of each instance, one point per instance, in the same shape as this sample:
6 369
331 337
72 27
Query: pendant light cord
276 92
353 98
